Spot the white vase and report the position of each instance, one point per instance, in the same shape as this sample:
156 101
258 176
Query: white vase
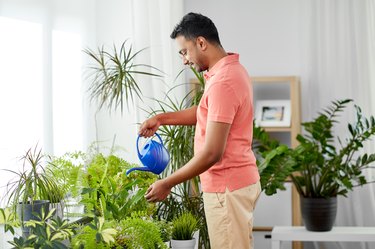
59 212
183 244
168 244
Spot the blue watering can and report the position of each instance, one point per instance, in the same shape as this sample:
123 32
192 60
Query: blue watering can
154 156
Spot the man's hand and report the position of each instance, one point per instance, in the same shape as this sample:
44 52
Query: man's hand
158 191
149 127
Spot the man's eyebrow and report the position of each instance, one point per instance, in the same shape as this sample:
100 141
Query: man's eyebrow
181 52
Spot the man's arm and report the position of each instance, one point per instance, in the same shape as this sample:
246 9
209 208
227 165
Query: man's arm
216 138
184 117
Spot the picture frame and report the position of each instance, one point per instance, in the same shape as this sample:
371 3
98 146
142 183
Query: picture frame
273 113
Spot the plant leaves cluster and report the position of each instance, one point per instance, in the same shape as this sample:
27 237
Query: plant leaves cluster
184 226
113 76
322 166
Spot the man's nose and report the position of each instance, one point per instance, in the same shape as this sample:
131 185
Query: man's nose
185 61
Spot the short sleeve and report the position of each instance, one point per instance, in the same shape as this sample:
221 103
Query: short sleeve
222 103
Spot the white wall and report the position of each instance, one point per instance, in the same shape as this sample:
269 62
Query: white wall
139 22
113 26
266 34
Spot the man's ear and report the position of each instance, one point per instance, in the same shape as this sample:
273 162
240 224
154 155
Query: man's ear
202 43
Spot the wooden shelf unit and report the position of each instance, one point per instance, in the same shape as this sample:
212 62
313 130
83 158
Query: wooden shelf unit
293 83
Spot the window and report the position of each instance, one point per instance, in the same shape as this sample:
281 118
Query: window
40 92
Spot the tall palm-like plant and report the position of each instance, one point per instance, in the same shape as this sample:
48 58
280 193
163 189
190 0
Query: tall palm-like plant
113 76
179 140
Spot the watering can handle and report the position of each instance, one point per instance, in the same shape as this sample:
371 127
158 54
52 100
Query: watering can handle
139 154
161 141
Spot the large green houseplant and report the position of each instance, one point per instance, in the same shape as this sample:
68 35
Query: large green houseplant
322 167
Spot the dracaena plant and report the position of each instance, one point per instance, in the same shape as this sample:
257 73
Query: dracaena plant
33 182
322 166
113 76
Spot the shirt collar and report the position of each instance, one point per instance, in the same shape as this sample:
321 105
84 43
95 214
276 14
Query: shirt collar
231 57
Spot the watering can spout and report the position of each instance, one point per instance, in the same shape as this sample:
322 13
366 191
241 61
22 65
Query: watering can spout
137 168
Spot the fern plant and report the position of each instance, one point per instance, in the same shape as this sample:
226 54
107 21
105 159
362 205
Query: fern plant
139 231
108 192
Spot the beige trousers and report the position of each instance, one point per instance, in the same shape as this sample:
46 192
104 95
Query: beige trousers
229 217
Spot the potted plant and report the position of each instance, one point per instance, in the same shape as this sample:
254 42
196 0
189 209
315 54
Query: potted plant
183 229
321 167
139 231
46 232
32 189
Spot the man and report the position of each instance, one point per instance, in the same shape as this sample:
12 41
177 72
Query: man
222 145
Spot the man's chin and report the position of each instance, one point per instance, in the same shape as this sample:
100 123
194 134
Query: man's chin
197 68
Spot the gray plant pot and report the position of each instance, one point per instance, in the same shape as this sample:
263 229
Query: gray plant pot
27 211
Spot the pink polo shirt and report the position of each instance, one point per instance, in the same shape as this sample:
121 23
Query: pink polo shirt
228 98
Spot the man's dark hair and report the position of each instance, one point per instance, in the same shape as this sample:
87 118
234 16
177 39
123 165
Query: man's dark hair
193 25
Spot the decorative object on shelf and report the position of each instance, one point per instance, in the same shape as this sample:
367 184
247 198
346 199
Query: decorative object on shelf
287 87
272 113
322 169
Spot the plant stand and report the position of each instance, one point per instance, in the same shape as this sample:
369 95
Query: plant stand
288 233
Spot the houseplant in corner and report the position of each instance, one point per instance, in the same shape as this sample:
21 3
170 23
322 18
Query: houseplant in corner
323 168
183 229
32 189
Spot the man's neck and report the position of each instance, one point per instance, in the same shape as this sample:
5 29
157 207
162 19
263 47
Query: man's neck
218 55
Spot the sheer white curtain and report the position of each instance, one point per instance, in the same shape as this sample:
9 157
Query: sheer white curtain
43 96
338 63
40 77
147 24
153 22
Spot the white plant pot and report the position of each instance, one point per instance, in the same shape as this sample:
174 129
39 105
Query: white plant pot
59 212
183 244
196 236
168 244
